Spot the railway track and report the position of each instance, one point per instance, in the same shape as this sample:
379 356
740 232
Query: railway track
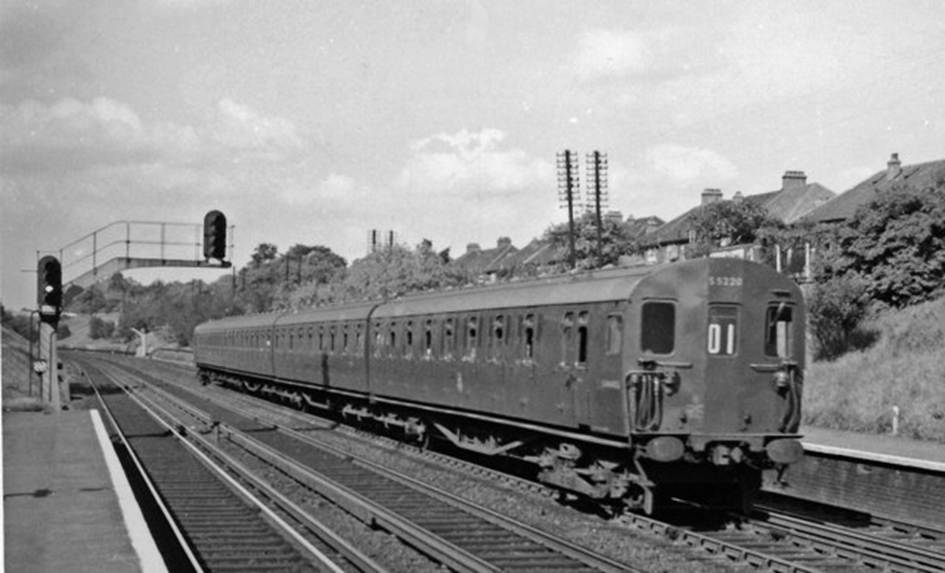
460 534
219 523
773 540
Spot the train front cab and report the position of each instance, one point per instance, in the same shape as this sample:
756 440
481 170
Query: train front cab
714 376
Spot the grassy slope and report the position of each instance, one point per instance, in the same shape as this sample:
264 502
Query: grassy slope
905 368
15 373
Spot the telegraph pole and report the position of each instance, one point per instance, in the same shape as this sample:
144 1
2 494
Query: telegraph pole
569 183
597 192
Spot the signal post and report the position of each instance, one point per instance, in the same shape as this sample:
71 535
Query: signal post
49 300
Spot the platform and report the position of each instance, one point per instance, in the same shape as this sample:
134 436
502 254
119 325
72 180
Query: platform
67 505
893 450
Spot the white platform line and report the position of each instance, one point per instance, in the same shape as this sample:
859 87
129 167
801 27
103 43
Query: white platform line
148 555
874 457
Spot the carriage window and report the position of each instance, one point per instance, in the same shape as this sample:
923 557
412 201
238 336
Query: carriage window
779 330
449 339
529 336
392 339
472 334
331 342
378 339
358 338
428 339
321 338
722 338
567 325
498 335
582 338
344 340
614 334
658 327
408 340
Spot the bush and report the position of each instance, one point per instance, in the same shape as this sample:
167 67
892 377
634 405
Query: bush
99 328
836 308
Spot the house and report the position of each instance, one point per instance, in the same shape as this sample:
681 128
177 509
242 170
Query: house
795 199
484 263
843 206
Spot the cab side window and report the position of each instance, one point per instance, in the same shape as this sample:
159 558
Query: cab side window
779 330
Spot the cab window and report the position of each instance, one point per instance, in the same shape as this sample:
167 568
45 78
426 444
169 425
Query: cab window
658 327
779 330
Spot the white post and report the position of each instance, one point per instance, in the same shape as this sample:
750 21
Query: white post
895 420
142 351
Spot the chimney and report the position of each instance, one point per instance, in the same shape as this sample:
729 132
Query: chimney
793 179
615 216
503 242
472 248
711 196
893 167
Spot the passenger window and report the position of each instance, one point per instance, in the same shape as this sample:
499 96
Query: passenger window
658 327
567 325
344 340
358 339
408 340
378 339
472 337
614 334
392 339
321 338
528 339
722 337
582 339
428 339
779 330
449 339
498 336
331 347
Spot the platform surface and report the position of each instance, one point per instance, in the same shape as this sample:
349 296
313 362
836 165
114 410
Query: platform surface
61 509
881 445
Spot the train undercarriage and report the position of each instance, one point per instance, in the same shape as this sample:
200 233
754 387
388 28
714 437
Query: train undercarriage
617 476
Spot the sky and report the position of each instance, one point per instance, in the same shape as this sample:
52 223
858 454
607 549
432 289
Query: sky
314 122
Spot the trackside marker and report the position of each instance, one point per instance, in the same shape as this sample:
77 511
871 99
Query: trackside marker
148 555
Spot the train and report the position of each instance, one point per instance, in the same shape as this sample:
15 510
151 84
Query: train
631 386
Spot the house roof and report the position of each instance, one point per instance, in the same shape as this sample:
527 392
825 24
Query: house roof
791 204
788 204
843 206
477 261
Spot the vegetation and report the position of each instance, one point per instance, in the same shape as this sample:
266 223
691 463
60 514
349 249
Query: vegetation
615 241
903 368
734 222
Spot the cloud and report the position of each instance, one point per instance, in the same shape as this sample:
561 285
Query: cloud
466 162
688 164
72 135
606 53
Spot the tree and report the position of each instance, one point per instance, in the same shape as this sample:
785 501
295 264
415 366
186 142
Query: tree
264 253
897 243
735 222
615 240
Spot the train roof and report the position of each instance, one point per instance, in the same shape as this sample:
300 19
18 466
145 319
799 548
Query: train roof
589 287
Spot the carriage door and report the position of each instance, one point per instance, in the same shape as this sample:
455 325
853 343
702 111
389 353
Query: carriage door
605 388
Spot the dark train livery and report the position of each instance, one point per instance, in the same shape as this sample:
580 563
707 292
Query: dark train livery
628 385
